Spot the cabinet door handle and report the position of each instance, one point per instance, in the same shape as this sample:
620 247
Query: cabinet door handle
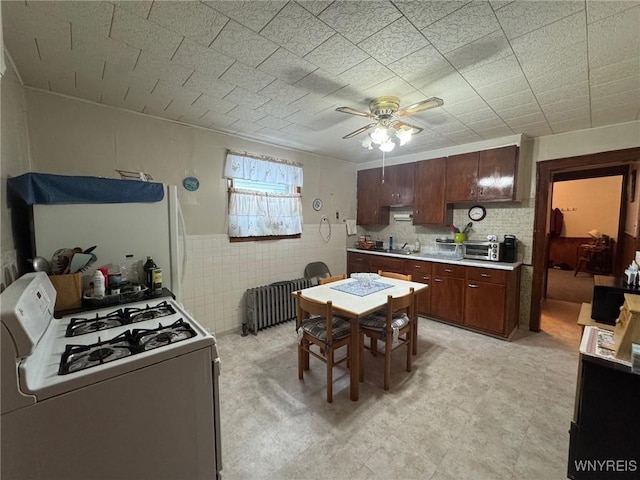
448 270
438 280
473 285
486 275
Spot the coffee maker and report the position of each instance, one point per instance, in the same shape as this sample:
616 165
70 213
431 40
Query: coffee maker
510 249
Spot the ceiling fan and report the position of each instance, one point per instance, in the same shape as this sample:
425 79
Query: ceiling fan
387 113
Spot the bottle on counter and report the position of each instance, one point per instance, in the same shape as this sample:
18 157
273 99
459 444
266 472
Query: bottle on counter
390 243
148 268
156 275
98 284
128 271
417 246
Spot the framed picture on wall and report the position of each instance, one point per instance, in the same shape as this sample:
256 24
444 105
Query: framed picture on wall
631 187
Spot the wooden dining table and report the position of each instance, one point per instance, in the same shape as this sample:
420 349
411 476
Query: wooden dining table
356 306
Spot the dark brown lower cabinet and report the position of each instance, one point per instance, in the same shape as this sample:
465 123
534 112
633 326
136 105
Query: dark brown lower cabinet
447 298
484 306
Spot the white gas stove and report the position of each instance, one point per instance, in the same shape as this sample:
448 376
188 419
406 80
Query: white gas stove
114 371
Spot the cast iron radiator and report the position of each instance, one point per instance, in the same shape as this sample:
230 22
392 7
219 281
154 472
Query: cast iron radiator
272 304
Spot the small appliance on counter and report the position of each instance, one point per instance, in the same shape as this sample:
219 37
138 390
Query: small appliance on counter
489 250
510 249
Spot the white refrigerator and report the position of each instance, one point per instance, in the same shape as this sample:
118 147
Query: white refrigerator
153 229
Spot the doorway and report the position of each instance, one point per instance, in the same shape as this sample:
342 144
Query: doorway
584 166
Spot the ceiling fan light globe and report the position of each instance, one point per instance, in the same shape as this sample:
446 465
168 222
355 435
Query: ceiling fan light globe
367 141
387 146
380 135
404 135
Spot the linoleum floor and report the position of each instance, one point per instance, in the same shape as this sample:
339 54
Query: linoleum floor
473 407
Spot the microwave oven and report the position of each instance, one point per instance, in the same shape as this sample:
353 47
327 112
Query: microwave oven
491 251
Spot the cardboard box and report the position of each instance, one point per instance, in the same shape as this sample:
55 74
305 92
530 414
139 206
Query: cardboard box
68 291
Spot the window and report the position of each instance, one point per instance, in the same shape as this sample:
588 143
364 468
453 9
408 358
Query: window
264 197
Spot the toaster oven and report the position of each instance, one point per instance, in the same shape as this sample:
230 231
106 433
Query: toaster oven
491 251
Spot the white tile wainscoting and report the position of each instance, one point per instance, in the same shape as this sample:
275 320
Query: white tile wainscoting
219 272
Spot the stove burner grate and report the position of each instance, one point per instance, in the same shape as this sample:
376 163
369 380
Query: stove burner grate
117 318
80 357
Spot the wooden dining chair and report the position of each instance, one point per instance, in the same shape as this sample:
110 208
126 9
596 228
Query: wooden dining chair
397 276
394 328
315 330
335 278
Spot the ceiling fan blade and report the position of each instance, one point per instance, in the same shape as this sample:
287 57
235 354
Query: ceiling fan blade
432 102
353 111
398 125
360 130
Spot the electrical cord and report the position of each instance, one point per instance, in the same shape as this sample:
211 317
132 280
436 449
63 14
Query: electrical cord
325 221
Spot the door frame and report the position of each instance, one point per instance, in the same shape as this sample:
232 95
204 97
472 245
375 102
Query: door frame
546 171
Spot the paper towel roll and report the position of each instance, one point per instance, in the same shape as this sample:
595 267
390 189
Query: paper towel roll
402 217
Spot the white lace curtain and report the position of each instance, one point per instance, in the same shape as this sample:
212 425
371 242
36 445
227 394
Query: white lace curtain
259 214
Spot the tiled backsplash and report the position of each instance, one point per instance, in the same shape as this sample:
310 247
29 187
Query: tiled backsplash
219 272
502 218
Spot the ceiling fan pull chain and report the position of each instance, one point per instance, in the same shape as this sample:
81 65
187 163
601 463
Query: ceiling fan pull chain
383 153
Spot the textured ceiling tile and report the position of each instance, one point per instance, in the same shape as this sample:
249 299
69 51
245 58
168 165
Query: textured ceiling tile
425 61
194 116
251 14
599 9
112 93
575 90
624 68
243 44
202 59
297 30
498 4
465 137
357 20
627 84
286 66
336 55
244 127
487 49
273 122
86 87
519 111
200 82
422 14
140 8
157 111
574 55
119 75
571 75
570 125
194 20
495 132
214 104
394 86
135 98
497 71
514 100
247 114
519 18
321 83
315 6
85 42
558 107
282 92
493 122
615 38
246 77
143 34
615 114
276 109
175 92
451 89
510 86
217 120
246 98
515 122
184 111
79 62
93 15
555 37
366 74
37 74
473 21
482 115
312 104
158 67
617 99
394 42
565 115
469 105
535 129
113 98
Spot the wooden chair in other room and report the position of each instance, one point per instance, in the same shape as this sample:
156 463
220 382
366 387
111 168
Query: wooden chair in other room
408 278
335 278
314 330
394 328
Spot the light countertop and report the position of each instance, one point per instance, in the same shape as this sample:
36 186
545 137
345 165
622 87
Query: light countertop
430 257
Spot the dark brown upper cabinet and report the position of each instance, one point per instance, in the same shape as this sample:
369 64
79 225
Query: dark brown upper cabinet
429 206
489 175
369 211
397 188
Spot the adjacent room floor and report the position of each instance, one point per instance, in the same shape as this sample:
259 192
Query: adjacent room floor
473 407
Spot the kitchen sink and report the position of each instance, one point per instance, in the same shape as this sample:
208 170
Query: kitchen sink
398 251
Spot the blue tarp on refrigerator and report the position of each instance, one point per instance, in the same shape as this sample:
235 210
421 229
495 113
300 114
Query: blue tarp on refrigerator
50 189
